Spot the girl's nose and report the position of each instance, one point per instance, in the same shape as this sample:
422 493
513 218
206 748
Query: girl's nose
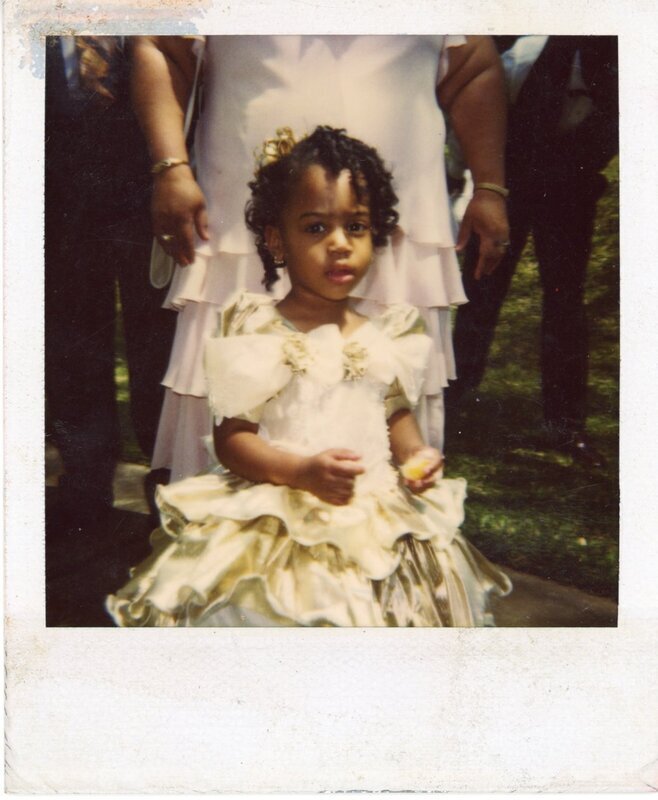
339 242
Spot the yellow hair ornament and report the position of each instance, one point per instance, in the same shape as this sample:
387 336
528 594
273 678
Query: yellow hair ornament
277 147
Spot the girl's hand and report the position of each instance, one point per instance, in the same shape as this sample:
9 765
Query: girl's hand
421 470
178 209
330 475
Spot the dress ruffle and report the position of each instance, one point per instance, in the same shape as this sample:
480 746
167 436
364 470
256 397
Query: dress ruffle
288 557
424 274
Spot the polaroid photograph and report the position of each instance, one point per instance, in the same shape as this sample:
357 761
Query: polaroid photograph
340 322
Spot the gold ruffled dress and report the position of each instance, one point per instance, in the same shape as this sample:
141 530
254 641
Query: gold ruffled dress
233 552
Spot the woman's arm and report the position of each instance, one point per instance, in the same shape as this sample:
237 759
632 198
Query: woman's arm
161 82
162 77
473 95
328 475
419 463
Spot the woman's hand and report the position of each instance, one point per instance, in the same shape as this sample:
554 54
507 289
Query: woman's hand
330 475
486 217
178 208
421 470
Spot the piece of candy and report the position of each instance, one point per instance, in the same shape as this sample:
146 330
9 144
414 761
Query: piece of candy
415 468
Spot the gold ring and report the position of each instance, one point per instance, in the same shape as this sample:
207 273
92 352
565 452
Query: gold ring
166 237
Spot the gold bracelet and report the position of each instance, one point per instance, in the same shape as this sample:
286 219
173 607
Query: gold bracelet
493 187
167 163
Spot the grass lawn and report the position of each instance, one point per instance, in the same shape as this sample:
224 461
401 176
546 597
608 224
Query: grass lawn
529 508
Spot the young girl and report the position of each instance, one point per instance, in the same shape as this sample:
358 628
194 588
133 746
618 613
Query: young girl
328 508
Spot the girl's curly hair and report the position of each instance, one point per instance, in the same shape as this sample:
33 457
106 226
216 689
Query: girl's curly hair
332 149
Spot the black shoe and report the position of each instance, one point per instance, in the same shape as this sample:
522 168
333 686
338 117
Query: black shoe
581 451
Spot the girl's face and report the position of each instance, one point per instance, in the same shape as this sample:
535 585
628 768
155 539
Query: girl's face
323 235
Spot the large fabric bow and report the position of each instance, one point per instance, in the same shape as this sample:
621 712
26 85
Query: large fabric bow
243 372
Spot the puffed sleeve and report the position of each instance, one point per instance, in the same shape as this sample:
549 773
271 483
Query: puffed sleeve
245 312
396 399
402 361
243 362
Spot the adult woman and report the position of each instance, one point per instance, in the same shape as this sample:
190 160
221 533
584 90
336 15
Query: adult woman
381 89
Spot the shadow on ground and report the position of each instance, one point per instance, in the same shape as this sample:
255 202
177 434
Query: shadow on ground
85 562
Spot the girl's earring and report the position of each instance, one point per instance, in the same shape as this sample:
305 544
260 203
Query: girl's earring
278 262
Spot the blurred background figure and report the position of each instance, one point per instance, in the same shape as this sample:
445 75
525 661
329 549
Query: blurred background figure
97 238
562 131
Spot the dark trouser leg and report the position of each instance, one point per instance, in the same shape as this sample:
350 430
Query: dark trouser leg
475 322
79 326
563 235
148 330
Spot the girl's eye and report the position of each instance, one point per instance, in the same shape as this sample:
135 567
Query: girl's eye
315 227
358 227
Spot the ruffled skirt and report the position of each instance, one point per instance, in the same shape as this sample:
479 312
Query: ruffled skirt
234 553
424 275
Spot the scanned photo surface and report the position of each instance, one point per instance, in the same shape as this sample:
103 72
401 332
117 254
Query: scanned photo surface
107 392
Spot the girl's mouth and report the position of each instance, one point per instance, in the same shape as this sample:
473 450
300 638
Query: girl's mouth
340 275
